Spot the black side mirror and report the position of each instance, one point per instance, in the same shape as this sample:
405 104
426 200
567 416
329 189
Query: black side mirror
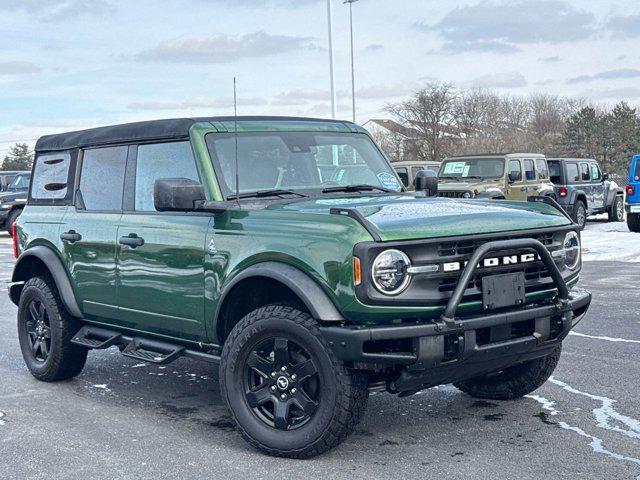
605 176
515 177
426 181
177 194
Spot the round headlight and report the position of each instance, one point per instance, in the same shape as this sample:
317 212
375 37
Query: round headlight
572 250
466 195
389 272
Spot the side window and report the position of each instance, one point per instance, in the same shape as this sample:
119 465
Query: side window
415 170
584 171
161 160
542 170
529 173
102 178
515 168
573 175
595 172
51 176
404 176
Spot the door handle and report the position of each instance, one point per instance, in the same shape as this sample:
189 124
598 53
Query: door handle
71 236
523 189
132 241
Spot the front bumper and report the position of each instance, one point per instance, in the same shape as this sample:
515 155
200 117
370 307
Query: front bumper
449 352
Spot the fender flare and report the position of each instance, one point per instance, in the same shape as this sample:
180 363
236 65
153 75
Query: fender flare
58 272
577 193
611 197
310 293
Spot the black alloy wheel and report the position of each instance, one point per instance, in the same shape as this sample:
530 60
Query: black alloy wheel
281 383
38 329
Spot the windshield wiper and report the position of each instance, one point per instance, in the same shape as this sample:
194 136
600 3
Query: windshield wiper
275 192
356 188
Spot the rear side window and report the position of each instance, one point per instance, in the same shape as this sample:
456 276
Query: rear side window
529 173
554 172
573 174
584 171
541 169
51 177
404 176
161 160
102 178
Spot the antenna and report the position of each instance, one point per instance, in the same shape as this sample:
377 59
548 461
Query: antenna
235 135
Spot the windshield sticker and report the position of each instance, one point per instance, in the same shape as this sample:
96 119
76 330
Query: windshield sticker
389 181
465 170
455 167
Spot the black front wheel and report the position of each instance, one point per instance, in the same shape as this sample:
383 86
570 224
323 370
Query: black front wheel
287 391
45 330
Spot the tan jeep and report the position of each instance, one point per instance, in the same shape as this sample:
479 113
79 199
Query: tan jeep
408 169
512 176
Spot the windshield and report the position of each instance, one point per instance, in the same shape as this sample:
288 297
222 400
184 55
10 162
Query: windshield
472 168
19 182
298 161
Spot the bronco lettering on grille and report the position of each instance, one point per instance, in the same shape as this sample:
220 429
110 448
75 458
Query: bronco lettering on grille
494 262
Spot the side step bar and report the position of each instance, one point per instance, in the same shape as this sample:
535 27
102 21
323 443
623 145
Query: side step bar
144 349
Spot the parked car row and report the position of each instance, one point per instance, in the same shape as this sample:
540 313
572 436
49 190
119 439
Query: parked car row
577 184
13 199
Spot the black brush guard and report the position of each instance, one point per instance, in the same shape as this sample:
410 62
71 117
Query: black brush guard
429 365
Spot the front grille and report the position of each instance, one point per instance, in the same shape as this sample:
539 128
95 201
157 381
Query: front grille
467 247
450 194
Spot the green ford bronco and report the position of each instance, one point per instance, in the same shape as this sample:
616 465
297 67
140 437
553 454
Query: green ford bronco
286 253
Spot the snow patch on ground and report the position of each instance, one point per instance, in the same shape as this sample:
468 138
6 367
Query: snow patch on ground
2 421
604 241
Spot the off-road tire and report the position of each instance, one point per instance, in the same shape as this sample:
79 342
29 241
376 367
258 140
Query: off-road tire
344 393
633 222
512 382
64 359
13 216
580 214
616 211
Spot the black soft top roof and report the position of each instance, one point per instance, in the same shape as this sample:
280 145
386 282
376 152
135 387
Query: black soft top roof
139 131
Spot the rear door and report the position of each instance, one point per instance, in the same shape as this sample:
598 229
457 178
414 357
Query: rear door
161 279
90 227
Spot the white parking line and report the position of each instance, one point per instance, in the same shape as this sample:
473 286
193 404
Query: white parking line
608 339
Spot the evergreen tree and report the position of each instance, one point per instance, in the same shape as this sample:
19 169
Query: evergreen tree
18 158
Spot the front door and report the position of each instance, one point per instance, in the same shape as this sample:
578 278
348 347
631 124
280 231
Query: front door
89 231
587 185
517 189
161 255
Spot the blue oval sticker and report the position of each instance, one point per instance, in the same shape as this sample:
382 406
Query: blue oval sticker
389 181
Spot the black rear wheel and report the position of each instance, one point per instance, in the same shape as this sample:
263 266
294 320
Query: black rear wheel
284 386
580 214
45 330
633 222
616 212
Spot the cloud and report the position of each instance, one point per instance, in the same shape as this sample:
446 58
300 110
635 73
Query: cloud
18 68
195 103
476 47
305 96
552 59
489 24
500 80
301 96
616 93
222 48
625 26
374 47
58 10
621 73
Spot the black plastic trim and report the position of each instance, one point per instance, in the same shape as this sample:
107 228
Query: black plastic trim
58 272
358 217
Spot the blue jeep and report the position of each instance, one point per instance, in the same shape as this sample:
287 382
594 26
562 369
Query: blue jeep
633 196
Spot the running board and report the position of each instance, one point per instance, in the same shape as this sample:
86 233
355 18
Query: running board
139 348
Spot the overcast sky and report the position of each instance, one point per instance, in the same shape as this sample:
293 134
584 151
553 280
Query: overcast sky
70 64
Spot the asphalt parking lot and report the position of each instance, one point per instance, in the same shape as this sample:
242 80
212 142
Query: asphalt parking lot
122 419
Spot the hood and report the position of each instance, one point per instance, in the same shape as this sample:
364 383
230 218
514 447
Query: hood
404 217
13 196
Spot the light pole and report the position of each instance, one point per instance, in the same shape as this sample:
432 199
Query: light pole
353 74
334 108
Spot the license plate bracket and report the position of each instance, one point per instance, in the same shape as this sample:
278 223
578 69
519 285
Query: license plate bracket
504 290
